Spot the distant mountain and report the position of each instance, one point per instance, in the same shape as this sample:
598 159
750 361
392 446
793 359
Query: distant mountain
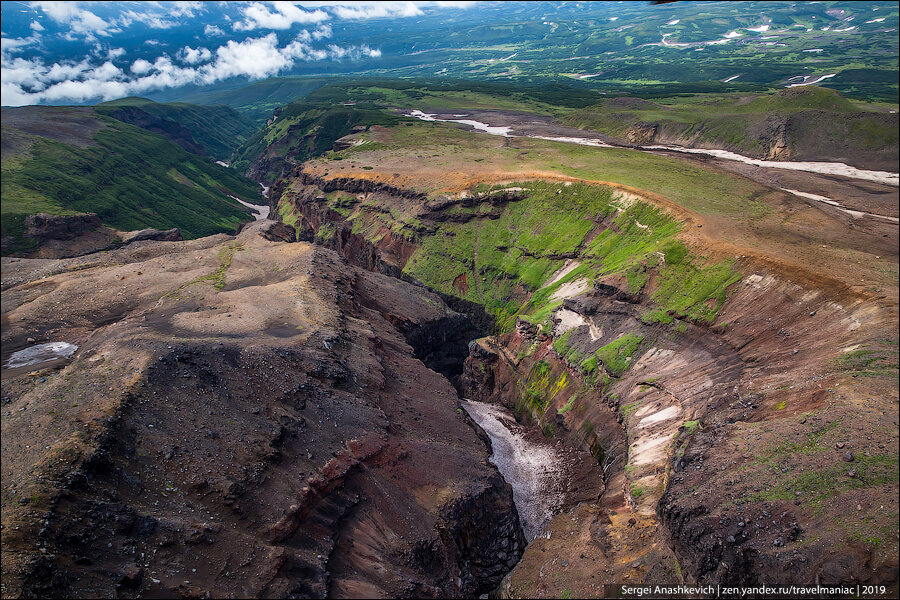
69 160
256 102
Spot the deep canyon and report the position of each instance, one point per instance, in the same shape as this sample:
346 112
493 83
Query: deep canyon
285 412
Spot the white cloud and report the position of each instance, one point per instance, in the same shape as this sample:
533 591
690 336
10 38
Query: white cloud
141 66
63 72
164 17
106 72
36 26
80 91
22 73
377 10
212 30
13 44
79 20
192 56
284 15
32 82
186 9
256 58
152 20
320 32
114 53
352 52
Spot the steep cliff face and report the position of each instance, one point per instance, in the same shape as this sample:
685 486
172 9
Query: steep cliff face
243 413
718 406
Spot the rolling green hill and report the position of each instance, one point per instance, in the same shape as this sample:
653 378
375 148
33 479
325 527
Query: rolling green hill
257 101
301 130
218 129
804 123
64 160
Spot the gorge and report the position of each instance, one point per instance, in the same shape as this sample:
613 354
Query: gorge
451 364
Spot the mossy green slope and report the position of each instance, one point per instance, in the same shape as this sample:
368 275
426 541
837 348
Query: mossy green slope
748 124
218 129
130 177
508 262
303 130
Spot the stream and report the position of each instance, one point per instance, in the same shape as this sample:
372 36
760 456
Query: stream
824 168
260 211
533 470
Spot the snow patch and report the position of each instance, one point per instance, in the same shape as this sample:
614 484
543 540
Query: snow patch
533 471
856 214
662 415
567 268
259 211
570 289
40 353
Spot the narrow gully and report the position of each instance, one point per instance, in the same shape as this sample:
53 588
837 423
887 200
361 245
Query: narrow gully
535 471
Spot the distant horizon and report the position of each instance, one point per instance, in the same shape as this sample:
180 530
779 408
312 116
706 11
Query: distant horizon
72 53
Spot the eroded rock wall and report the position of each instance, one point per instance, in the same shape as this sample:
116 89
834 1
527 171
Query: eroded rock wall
724 439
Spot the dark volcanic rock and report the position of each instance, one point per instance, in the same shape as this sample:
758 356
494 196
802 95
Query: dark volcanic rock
279 232
156 235
43 227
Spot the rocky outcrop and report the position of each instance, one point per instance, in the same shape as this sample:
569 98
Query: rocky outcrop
278 232
357 185
483 559
774 141
642 133
349 140
155 235
77 235
43 227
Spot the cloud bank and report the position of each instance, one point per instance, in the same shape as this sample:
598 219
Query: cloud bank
283 16
378 10
96 32
31 81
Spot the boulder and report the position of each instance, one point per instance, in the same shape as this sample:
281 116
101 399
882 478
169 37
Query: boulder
278 232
